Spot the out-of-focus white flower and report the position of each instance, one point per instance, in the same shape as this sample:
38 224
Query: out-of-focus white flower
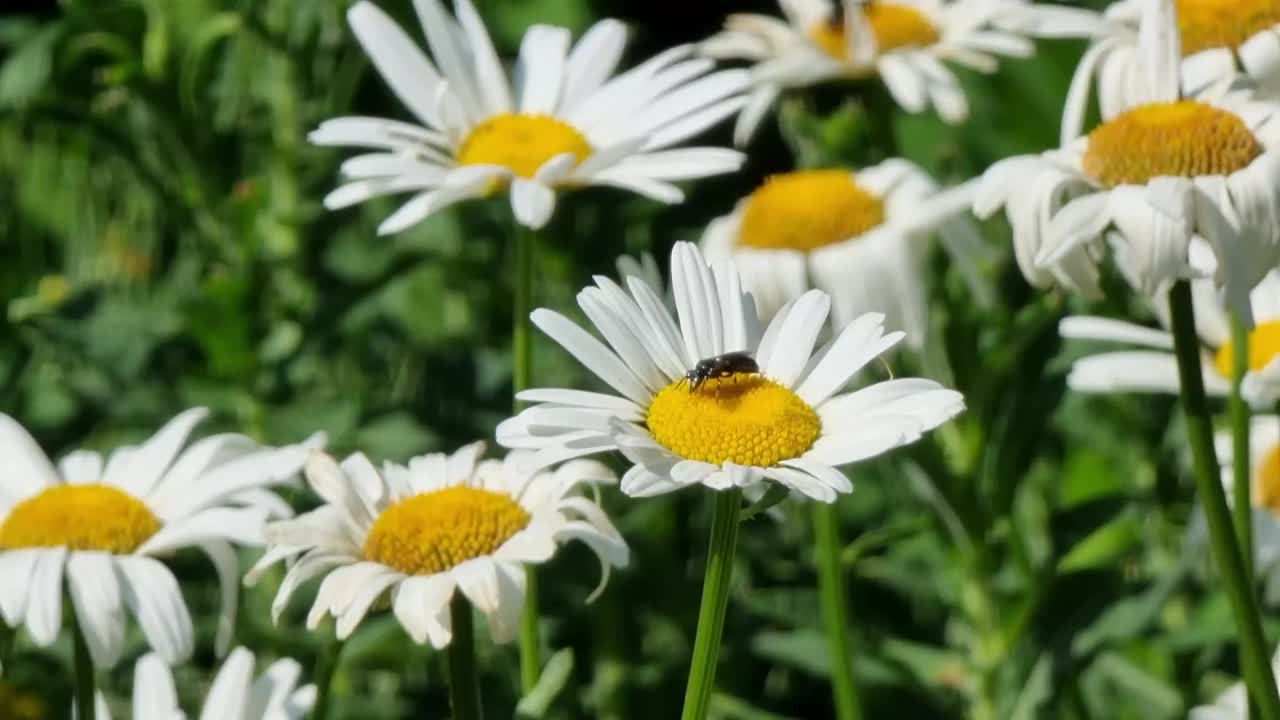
902 42
567 121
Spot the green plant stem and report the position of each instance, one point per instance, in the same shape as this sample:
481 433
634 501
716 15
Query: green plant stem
83 664
826 531
1241 467
715 601
464 684
326 668
1254 658
521 370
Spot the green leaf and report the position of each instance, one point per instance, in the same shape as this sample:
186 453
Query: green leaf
1104 546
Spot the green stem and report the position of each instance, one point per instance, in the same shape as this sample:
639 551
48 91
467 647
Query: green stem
826 532
464 684
326 668
1254 658
521 371
1241 499
715 601
83 663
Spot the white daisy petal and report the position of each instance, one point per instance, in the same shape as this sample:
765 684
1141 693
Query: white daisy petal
151 593
95 594
24 468
540 69
44 606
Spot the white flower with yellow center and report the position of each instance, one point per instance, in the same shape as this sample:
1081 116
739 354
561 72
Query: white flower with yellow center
858 236
1166 170
1264 487
789 422
1220 39
903 42
235 693
102 525
569 121
1233 703
1153 369
442 524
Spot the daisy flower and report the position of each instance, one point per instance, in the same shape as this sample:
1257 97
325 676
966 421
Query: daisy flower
443 523
1220 38
858 236
567 121
1233 703
234 694
788 423
1153 369
1264 486
1167 169
903 42
101 526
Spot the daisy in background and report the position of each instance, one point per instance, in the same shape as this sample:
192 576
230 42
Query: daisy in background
442 524
1233 703
1153 369
902 42
789 423
568 120
100 526
1220 39
858 236
234 694
1165 170
1264 485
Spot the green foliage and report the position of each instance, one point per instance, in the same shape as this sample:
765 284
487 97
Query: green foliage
165 246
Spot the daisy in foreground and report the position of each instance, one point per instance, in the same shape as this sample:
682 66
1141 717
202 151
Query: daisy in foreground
569 121
1233 703
234 695
1220 38
903 42
775 413
860 236
101 526
1164 170
1264 486
442 528
1154 368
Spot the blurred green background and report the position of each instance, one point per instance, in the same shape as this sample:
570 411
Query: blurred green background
164 246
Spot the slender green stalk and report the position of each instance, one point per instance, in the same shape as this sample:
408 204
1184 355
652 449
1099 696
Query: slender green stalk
464 683
715 600
326 668
1241 499
83 664
521 371
1254 658
826 531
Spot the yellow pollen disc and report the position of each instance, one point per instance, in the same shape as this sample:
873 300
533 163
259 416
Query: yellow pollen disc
79 517
1185 138
894 26
1264 345
434 531
1207 24
522 143
807 210
745 419
1266 490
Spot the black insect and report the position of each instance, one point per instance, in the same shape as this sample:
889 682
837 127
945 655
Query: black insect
720 366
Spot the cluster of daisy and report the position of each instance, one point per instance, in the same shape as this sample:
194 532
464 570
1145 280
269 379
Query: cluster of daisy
745 370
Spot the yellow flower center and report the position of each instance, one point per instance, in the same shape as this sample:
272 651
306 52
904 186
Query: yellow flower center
1207 24
1266 489
522 143
807 210
745 419
434 531
1264 345
79 517
894 26
1185 138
